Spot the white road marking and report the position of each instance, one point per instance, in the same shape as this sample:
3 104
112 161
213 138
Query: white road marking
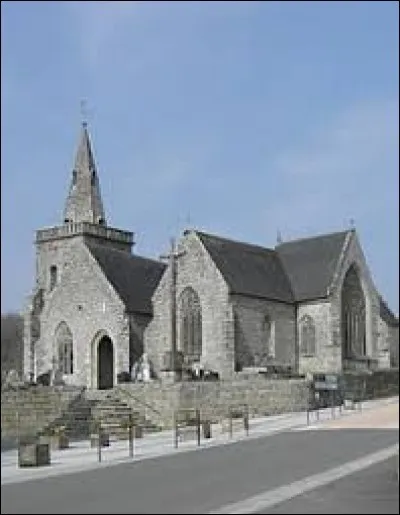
283 493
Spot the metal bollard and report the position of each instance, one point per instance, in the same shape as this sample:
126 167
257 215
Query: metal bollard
332 404
131 453
99 443
198 426
175 431
246 420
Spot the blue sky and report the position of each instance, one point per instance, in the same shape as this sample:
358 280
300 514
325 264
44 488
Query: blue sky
238 118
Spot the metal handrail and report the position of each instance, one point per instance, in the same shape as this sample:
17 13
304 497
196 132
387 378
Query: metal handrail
140 401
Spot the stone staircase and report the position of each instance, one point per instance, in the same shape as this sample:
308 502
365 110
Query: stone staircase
154 418
77 418
36 411
112 409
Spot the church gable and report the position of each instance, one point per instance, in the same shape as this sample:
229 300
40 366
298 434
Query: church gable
202 310
311 263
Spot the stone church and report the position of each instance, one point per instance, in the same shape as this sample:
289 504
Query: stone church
97 307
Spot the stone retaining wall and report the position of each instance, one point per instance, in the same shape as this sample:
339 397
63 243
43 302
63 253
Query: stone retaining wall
37 407
27 410
380 383
214 399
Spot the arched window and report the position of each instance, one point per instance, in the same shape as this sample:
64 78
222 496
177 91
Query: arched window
268 337
353 315
191 325
53 277
65 350
307 336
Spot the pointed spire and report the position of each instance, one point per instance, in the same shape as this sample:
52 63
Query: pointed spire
84 159
84 203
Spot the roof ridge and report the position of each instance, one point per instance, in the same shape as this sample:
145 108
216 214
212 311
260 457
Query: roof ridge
123 252
229 240
309 238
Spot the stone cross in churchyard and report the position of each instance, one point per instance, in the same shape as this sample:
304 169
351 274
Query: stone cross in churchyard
173 257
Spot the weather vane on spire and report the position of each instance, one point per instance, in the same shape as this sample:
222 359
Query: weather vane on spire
84 112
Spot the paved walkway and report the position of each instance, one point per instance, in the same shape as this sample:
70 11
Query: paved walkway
80 456
384 415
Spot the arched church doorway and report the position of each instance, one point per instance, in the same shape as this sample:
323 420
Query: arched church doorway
105 364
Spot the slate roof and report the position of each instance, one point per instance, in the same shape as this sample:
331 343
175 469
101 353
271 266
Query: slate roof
134 278
386 314
249 269
310 263
294 271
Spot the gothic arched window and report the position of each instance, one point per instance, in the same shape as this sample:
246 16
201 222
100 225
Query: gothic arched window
307 336
353 315
268 337
191 325
65 350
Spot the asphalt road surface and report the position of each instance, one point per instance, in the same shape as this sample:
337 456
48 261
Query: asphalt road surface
206 480
373 490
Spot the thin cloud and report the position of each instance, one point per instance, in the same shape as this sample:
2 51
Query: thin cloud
331 178
131 27
99 23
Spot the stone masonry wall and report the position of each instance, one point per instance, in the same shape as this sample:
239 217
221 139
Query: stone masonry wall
384 343
327 357
214 399
195 269
251 344
25 411
85 300
379 384
394 346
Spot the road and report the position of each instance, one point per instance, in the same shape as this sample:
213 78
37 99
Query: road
373 490
205 481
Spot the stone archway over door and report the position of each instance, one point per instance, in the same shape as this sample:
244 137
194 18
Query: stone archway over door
105 364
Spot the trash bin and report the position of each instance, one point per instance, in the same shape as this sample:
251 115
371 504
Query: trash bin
33 454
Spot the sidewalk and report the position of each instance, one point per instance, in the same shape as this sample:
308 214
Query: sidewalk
382 417
80 456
